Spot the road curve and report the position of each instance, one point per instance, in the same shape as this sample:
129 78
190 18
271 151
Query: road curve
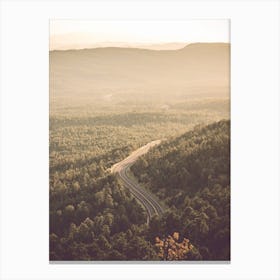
121 168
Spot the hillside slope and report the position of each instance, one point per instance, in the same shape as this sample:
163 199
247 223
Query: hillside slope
197 159
191 174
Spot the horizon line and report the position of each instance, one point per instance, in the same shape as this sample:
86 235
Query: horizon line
139 46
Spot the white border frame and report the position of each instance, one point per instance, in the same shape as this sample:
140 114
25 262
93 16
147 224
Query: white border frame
255 137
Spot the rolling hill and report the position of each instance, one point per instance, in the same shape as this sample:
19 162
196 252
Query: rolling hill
120 74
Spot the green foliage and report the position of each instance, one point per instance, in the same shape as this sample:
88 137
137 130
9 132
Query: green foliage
92 217
197 159
192 174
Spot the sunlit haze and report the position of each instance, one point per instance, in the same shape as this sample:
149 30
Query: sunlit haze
79 34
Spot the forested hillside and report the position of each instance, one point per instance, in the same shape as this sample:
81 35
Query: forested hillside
92 217
191 174
100 222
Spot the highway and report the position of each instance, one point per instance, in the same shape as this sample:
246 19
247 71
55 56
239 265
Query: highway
121 168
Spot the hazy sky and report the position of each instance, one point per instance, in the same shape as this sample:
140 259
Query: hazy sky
67 34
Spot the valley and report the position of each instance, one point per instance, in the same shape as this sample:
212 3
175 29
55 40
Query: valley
107 103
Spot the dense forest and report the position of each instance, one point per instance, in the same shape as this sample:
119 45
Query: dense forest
192 175
93 217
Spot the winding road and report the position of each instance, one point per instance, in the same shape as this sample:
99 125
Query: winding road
121 168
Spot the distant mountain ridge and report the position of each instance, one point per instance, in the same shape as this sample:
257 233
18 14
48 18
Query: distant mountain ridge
153 47
198 67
